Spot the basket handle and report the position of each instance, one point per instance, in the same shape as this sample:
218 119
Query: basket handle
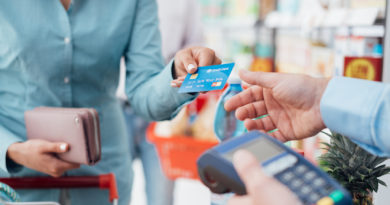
105 181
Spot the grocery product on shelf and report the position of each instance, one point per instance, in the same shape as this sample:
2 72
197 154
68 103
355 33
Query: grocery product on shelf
322 61
368 68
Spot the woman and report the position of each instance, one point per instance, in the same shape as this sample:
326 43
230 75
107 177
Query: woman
67 55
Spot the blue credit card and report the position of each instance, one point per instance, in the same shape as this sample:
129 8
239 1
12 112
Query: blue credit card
207 78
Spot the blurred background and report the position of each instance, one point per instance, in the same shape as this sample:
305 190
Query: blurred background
321 38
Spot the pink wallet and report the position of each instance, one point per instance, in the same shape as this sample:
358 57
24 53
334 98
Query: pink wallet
79 127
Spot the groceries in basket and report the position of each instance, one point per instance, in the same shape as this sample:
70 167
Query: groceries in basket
193 121
79 127
181 141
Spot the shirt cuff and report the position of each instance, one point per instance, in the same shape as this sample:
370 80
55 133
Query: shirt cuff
349 107
6 164
180 99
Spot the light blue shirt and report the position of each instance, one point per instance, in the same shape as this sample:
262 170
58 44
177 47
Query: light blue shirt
53 57
359 109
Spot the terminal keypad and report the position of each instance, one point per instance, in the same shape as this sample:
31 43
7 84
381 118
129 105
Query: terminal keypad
305 183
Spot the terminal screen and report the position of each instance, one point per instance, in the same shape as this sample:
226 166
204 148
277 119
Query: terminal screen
262 148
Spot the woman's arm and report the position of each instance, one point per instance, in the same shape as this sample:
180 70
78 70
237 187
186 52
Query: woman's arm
7 138
148 87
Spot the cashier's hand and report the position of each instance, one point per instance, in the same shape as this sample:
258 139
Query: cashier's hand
261 189
292 102
189 59
40 156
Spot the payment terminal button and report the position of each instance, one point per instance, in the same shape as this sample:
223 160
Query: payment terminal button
319 182
305 190
326 190
325 201
309 176
314 197
336 196
300 169
296 183
288 176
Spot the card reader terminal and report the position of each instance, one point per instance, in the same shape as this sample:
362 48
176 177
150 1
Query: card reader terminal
310 184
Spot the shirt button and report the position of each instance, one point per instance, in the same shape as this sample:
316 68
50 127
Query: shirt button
66 80
67 40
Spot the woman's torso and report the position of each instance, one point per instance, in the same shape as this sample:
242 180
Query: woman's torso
53 57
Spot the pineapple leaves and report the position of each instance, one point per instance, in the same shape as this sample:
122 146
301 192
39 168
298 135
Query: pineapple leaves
352 166
382 182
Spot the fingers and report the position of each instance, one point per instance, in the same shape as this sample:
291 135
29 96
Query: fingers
57 167
264 79
264 123
251 110
240 200
252 94
177 82
279 136
260 187
248 168
217 61
206 57
188 61
53 147
185 63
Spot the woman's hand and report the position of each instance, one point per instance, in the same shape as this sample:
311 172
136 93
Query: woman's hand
189 59
292 102
39 155
261 189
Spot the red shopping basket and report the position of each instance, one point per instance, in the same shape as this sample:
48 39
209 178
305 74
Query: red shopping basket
106 181
178 154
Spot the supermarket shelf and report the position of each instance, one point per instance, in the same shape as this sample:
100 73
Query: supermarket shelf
231 23
365 31
361 22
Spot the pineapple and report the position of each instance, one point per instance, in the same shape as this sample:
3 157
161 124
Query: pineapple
353 167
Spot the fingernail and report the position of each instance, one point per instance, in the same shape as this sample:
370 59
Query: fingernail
63 147
191 68
173 84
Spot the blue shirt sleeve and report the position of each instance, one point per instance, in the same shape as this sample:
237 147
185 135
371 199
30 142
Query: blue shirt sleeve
147 86
7 138
359 109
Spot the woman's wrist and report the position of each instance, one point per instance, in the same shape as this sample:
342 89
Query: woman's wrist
13 152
